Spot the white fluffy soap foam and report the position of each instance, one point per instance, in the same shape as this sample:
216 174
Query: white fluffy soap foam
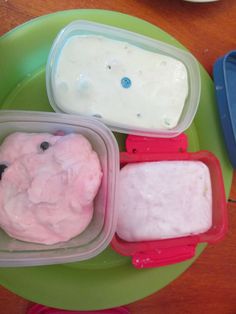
120 83
167 199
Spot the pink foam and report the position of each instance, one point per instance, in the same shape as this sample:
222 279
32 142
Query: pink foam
47 196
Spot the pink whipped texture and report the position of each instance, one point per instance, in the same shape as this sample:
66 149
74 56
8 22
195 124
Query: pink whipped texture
46 196
166 199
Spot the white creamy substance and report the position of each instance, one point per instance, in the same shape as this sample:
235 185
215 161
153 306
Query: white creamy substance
167 199
120 83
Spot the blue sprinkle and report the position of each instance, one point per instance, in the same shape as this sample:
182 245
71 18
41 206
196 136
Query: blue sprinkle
126 82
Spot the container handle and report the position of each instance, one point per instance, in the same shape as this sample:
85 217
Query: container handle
141 144
163 256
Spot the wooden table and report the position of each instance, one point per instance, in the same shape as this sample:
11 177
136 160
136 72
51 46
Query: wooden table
208 30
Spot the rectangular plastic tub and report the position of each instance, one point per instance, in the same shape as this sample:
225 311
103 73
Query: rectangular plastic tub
148 254
83 28
224 72
100 231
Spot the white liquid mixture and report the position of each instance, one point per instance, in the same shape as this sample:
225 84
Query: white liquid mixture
120 83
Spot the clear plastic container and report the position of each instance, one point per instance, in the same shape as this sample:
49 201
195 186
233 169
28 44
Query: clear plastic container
89 28
100 231
148 254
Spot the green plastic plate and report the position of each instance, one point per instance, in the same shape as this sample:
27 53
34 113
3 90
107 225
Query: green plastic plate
108 280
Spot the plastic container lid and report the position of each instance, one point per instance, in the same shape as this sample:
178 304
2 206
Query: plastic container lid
147 254
100 231
83 28
224 73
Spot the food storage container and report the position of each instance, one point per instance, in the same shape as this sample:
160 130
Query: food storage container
168 251
100 231
40 309
153 144
83 28
224 72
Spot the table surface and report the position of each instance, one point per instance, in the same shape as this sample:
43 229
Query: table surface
207 30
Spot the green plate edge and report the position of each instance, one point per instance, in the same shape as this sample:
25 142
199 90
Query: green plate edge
108 280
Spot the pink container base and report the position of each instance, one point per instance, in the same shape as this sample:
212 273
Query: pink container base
148 254
40 309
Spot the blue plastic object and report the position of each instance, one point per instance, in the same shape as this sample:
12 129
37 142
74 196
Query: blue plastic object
126 82
224 73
